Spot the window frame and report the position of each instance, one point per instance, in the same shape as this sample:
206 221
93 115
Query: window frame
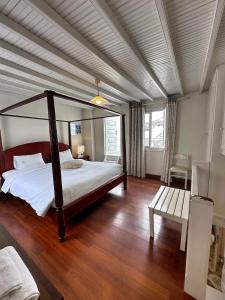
104 129
149 148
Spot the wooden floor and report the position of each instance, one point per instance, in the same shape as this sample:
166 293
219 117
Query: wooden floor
108 254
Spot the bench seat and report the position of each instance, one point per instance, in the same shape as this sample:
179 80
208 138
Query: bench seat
173 204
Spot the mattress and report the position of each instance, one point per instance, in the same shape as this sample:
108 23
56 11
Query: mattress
36 186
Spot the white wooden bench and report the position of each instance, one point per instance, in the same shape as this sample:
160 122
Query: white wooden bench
172 204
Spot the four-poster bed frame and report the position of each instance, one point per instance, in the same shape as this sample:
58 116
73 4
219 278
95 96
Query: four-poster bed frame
50 152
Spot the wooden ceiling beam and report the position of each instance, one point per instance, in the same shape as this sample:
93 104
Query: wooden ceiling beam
166 31
40 62
20 68
29 36
15 85
35 83
17 67
212 41
45 86
70 31
105 11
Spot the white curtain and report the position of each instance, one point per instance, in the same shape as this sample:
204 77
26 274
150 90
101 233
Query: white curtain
170 133
136 165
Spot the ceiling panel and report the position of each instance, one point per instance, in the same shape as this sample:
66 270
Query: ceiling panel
218 57
141 21
84 17
190 24
46 30
43 26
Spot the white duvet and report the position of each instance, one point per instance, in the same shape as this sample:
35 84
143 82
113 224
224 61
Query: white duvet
36 186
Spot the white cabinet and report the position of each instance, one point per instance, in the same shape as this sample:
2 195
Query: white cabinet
216 189
198 247
214 95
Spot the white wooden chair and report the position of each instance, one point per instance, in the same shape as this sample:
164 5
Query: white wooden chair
180 169
112 159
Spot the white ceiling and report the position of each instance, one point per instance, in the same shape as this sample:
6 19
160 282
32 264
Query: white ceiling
140 49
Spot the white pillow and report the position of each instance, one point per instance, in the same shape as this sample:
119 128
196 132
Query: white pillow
72 164
33 161
65 155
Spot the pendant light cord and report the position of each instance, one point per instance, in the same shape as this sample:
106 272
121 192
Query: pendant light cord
97 81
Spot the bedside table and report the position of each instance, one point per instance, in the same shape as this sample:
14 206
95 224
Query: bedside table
85 157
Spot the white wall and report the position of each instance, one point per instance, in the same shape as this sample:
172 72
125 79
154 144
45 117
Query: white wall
17 131
98 128
153 161
191 137
88 133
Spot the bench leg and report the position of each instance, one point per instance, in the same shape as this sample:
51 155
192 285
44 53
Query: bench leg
151 222
186 179
183 236
169 178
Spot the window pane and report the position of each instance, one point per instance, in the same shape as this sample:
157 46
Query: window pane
146 138
147 125
147 130
112 136
157 129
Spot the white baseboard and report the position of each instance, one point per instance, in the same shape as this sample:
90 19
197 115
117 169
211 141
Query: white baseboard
213 294
219 220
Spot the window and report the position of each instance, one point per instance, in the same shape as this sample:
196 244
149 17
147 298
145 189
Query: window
112 136
154 129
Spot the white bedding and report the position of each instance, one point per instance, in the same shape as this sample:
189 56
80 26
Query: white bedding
36 186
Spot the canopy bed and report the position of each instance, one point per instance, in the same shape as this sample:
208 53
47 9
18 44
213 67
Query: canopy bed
85 193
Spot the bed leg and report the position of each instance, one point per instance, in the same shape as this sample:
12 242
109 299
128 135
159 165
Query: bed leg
61 224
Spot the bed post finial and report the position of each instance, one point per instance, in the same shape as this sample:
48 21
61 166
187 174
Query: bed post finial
56 170
124 152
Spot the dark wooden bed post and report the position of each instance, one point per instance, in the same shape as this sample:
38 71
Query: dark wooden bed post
124 152
69 136
56 170
1 157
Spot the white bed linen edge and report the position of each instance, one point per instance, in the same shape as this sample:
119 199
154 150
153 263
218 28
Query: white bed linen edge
36 186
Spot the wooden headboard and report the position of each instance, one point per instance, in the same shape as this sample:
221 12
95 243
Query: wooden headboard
6 156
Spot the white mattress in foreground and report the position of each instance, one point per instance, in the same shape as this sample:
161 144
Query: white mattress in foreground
36 186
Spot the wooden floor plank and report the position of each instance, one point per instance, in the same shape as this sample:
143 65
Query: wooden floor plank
108 254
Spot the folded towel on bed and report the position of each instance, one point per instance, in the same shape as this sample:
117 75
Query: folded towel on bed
10 279
28 289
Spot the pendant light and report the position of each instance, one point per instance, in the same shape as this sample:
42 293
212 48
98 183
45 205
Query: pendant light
98 100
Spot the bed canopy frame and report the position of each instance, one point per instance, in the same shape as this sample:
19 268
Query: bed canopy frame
63 212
